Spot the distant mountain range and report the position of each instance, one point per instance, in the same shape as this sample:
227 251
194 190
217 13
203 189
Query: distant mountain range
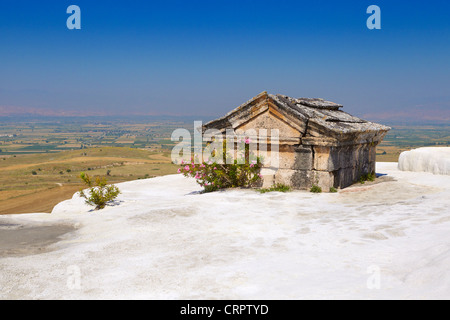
412 116
415 115
16 111
17 114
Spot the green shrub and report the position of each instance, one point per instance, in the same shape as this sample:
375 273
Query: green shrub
333 190
367 177
276 187
315 189
99 194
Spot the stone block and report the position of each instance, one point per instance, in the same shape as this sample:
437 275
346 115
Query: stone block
372 153
323 179
303 158
291 157
268 177
286 157
346 177
297 179
321 158
331 158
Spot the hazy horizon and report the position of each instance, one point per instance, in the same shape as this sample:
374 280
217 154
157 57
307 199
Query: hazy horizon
198 58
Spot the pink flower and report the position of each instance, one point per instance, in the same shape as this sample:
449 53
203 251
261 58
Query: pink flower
179 170
186 168
182 161
247 141
251 165
202 165
215 168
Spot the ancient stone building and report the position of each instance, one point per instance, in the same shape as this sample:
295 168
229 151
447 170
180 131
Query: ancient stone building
318 143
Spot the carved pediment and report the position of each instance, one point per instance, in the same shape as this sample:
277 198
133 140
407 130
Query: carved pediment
272 119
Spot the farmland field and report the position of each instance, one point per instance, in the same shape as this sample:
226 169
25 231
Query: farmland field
37 182
402 138
41 160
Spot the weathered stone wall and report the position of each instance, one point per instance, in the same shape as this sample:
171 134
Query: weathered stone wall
361 161
303 166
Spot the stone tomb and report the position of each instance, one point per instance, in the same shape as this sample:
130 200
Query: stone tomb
318 144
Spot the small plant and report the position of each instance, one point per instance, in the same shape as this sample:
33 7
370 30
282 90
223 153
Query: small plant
99 194
276 187
316 189
333 190
371 176
367 177
33 172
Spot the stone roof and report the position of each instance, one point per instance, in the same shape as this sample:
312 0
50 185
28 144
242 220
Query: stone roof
320 115
312 102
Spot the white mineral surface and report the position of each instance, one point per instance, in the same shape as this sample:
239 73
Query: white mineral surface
428 159
165 240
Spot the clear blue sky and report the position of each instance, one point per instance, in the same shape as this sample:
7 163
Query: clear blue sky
206 57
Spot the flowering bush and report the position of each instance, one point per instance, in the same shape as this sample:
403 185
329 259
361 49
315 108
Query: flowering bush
241 172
